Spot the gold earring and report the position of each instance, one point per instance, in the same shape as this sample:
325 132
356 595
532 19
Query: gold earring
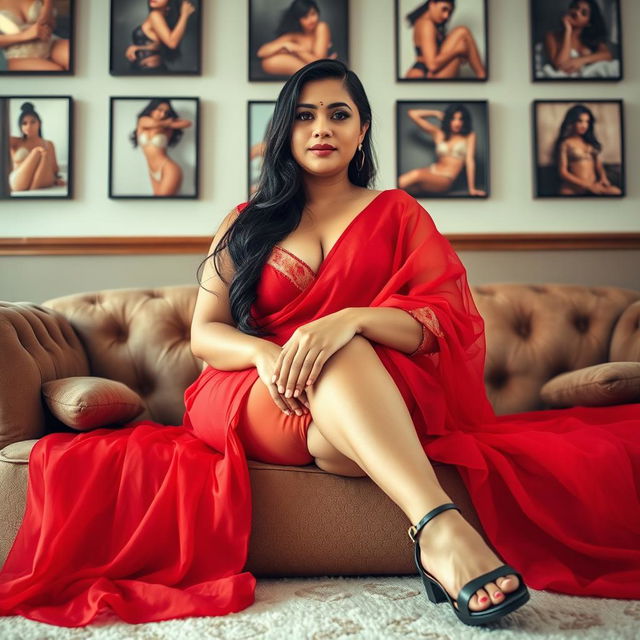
363 157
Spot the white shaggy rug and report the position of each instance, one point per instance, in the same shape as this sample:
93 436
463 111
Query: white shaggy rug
376 608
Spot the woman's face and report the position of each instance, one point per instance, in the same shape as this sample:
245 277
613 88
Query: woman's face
161 111
581 125
440 11
457 122
580 14
325 115
29 126
158 4
309 22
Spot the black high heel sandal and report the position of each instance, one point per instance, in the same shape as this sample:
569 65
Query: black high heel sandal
437 593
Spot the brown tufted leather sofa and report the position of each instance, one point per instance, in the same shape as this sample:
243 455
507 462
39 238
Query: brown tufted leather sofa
305 521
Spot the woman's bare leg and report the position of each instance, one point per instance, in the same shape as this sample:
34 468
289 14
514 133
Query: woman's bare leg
454 43
170 180
24 173
43 176
282 64
60 53
473 55
425 180
32 64
357 408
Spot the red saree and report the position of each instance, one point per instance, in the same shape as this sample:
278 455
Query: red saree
153 521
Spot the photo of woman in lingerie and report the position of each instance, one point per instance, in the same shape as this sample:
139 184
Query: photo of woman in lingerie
155 37
35 36
456 139
332 325
579 148
576 40
439 40
39 166
145 165
259 115
284 35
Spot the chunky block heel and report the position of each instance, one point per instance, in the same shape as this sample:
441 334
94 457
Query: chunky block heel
437 593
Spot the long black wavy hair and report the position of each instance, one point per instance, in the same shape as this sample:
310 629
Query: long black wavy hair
290 18
566 129
275 209
176 134
172 15
412 16
596 31
27 109
449 112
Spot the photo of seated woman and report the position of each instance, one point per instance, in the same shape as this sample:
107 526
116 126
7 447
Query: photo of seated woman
576 40
37 149
154 147
442 148
36 37
441 40
285 35
579 148
259 114
155 37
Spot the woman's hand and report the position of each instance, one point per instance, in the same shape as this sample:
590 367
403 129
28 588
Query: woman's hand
477 192
291 47
309 347
265 362
604 181
130 53
573 65
36 31
187 8
566 21
597 188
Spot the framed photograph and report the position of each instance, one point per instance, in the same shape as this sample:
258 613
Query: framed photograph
36 146
442 148
259 114
578 148
37 37
575 40
155 37
153 147
285 35
440 40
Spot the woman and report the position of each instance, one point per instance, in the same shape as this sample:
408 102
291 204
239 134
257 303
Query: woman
158 127
440 54
455 147
26 37
577 155
157 40
377 373
301 38
579 48
34 159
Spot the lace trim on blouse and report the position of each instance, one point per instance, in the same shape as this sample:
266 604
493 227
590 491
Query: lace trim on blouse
430 328
299 273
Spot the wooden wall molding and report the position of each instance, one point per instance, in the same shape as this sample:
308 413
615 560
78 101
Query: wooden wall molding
113 245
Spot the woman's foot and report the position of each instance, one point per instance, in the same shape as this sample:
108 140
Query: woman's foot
454 553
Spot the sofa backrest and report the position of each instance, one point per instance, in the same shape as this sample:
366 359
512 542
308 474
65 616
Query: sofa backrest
142 337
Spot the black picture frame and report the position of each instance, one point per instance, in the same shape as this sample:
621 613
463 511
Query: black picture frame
546 181
264 16
58 144
63 29
259 113
133 177
545 17
127 18
472 16
451 179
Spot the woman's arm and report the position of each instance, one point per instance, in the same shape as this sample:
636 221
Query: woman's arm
274 46
559 56
387 325
601 173
214 338
470 161
419 117
33 32
147 122
322 40
602 53
171 37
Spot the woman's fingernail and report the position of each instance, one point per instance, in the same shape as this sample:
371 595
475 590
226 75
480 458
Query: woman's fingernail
288 393
296 393
280 388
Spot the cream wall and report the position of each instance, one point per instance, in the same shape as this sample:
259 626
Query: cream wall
224 91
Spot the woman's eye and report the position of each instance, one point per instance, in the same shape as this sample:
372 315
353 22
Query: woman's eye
305 113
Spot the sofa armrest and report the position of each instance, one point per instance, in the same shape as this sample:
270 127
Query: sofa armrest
625 340
37 345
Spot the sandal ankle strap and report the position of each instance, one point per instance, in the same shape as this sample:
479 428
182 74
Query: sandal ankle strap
414 530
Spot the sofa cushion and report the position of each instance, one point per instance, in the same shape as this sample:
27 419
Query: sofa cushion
89 402
601 384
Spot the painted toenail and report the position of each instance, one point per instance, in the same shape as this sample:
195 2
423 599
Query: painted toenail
483 599
498 594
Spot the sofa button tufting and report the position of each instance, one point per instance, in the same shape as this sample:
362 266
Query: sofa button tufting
581 323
